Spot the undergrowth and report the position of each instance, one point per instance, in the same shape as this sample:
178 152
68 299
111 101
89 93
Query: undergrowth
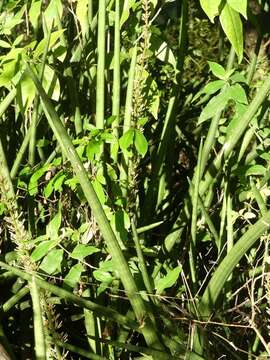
134 179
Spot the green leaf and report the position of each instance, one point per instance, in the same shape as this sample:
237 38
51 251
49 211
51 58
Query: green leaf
211 8
217 70
43 43
232 25
99 191
27 92
210 88
162 51
34 13
74 275
52 262
238 94
33 183
256 170
81 251
168 281
53 227
216 104
239 6
126 9
53 12
42 249
141 143
103 276
5 44
127 139
51 83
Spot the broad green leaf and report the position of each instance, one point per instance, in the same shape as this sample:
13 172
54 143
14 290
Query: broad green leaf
237 93
51 83
127 139
8 72
210 88
168 281
5 44
217 70
10 20
99 191
162 50
27 92
34 13
211 8
52 262
102 276
74 275
54 225
58 182
55 35
81 251
93 148
256 170
239 6
215 105
33 183
237 77
141 143
53 12
82 15
232 25
42 249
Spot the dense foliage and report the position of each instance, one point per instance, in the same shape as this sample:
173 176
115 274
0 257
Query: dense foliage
134 179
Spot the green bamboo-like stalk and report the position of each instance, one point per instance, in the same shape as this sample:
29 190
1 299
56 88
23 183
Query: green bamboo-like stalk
100 90
15 298
116 77
258 197
39 333
141 261
69 151
195 196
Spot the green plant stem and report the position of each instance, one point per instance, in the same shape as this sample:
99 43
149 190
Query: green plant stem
40 344
116 73
100 92
142 265
15 299
254 61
